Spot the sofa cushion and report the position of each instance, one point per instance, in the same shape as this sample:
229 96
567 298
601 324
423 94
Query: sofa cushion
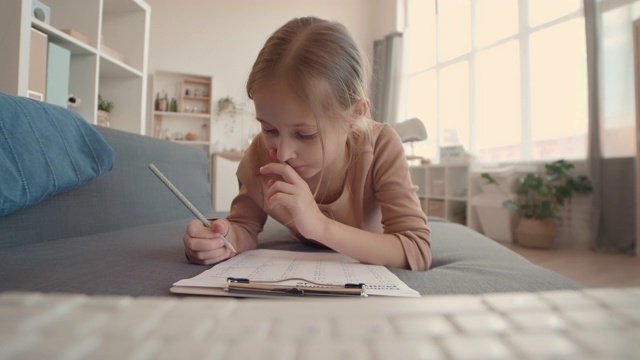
146 260
44 150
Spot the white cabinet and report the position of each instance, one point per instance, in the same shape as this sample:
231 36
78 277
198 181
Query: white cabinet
181 108
108 43
443 190
224 183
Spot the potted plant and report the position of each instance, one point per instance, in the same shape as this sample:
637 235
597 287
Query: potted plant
104 108
538 197
226 104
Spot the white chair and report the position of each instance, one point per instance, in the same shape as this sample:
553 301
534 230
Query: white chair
410 131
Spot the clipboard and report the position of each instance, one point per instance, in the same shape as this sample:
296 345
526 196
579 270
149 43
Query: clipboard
245 287
280 273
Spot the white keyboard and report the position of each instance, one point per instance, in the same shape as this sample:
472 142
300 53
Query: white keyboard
589 324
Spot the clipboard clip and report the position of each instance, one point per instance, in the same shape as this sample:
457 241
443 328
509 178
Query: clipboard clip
272 288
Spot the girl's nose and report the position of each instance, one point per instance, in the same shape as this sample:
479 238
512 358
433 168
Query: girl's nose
284 151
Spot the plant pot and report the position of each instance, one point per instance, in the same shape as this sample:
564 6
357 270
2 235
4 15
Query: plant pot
535 233
103 118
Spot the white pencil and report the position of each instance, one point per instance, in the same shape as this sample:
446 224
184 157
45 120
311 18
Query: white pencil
188 204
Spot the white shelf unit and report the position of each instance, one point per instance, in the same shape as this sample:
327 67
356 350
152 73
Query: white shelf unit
108 50
443 190
192 115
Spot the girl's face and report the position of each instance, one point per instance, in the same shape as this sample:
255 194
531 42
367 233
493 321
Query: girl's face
291 134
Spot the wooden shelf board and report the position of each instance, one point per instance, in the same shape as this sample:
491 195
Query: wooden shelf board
182 114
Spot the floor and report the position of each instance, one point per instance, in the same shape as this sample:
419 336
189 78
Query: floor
593 269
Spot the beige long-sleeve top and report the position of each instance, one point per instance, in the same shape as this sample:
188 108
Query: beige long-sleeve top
378 196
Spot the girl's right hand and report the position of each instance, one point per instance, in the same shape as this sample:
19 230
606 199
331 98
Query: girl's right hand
203 245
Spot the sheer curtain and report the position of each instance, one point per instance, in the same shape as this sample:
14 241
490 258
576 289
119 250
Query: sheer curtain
387 77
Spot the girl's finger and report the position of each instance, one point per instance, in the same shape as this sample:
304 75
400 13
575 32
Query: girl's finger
284 170
196 229
198 244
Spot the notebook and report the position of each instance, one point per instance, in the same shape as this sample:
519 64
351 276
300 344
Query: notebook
292 273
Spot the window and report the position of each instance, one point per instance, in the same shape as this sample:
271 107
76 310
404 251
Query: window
506 79
617 101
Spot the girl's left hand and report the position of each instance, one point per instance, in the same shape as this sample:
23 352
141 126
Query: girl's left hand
293 193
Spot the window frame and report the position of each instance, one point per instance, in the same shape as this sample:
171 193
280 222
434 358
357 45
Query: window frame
522 36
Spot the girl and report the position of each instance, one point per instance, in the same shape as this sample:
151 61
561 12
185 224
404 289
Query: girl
320 166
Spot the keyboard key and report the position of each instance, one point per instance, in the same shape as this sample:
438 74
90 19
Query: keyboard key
18 298
592 318
335 350
138 319
538 321
424 326
243 328
619 344
77 323
613 296
477 347
543 345
481 323
125 348
519 301
301 328
172 349
424 349
262 350
630 312
11 345
567 299
363 328
59 346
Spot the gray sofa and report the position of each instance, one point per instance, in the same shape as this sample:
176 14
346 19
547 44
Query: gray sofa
121 234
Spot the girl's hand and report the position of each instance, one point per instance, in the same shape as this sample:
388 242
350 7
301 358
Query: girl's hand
203 245
293 194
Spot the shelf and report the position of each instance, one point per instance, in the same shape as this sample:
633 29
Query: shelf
170 85
123 6
182 114
196 98
111 67
63 39
197 81
191 142
78 28
443 186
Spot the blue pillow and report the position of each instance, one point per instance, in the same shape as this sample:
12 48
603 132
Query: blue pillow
44 150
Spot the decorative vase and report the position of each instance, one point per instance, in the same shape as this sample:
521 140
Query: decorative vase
103 118
536 233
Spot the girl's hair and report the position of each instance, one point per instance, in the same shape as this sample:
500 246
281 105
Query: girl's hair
320 61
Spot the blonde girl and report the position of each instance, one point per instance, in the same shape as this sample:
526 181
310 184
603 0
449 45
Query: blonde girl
320 165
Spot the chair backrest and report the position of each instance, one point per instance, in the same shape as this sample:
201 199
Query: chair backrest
411 130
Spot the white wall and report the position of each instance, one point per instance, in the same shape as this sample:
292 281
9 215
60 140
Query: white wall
223 37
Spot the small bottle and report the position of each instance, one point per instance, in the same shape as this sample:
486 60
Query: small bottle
166 102
204 132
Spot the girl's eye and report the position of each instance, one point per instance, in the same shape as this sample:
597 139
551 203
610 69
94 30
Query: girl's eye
270 131
306 136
